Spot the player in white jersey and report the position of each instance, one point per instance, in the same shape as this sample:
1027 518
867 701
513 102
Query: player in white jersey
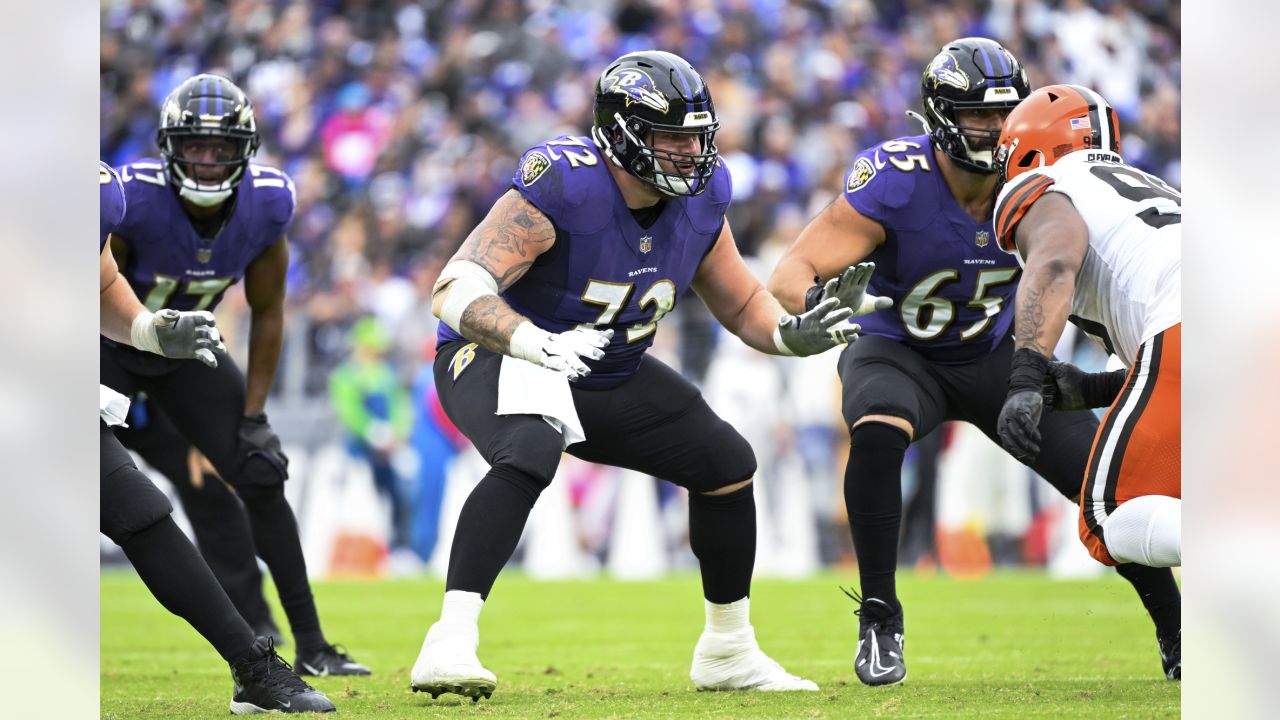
1100 243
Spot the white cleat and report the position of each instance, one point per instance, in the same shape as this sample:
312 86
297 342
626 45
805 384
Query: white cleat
448 664
736 662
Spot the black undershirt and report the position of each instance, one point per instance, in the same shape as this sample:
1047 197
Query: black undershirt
647 216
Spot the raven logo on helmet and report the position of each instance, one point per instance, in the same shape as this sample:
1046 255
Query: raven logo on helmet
638 87
945 71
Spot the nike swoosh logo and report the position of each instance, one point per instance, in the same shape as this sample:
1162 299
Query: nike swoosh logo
875 659
879 163
314 671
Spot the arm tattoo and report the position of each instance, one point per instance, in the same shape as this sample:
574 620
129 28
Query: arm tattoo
1030 320
490 321
509 239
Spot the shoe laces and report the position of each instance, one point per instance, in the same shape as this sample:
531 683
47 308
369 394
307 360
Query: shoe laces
335 650
274 671
876 623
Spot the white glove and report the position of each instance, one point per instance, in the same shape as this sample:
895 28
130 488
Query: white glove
816 331
181 335
850 287
560 351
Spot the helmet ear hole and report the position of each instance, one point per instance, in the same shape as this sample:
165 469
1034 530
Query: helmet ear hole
1031 159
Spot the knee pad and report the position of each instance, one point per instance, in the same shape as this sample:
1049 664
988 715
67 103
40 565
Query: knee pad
532 448
878 437
529 485
130 503
1146 530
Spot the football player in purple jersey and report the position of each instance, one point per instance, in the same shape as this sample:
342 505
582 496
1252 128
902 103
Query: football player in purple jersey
921 208
136 515
547 311
200 218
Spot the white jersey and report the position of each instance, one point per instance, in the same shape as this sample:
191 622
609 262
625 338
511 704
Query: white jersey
1130 286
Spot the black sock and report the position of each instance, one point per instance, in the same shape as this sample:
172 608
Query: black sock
178 577
275 535
489 528
722 534
1159 593
873 498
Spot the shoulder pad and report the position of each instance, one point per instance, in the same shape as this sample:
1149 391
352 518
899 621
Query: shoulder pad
883 178
112 205
565 179
275 192
1015 199
706 211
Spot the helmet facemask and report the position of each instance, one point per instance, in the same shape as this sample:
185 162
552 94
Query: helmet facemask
191 176
672 172
973 148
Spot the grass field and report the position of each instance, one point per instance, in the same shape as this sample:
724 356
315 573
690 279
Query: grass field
1012 645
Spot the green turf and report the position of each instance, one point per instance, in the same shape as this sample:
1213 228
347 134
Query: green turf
1012 645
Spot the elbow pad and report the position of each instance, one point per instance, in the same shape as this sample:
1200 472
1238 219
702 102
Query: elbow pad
462 282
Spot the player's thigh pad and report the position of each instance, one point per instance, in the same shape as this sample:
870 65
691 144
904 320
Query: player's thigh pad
1138 449
657 423
467 383
129 501
882 377
206 405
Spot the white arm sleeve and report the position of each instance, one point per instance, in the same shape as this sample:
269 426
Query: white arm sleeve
470 282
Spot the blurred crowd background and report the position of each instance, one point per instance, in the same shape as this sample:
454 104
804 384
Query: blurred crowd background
401 122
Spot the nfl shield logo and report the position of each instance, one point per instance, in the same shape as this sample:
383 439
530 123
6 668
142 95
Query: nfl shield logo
983 237
646 244
204 254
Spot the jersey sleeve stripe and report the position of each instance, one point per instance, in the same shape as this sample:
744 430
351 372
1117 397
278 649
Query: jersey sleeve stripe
1015 206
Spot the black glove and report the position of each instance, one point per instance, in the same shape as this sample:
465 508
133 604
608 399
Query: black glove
257 439
1019 421
1075 389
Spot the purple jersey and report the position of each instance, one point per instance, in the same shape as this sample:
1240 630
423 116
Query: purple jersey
169 265
951 285
605 270
111 203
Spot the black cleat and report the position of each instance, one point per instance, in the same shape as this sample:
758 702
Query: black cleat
328 660
1171 655
880 640
264 682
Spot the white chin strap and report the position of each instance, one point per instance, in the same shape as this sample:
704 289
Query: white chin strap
980 157
671 184
204 195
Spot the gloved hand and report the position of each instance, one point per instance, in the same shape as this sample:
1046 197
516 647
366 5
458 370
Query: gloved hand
1064 386
561 352
181 335
850 288
257 439
1019 421
1019 424
815 331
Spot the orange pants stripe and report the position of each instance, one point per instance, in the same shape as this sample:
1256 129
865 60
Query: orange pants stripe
1138 448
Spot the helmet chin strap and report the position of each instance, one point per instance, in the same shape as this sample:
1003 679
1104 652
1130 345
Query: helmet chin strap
203 196
671 185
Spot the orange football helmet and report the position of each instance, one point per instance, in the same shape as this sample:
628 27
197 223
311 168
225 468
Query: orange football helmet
1052 122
